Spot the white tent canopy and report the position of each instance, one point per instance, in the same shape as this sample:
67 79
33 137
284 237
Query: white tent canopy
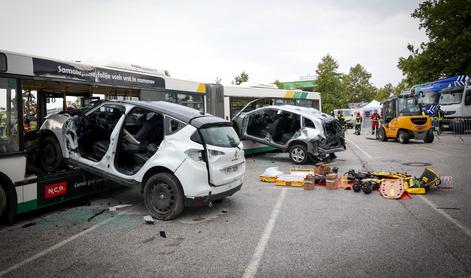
373 105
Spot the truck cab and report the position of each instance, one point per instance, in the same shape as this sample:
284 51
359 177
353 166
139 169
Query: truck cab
455 102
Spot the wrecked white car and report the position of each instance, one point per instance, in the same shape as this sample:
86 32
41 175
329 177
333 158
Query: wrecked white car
176 155
306 133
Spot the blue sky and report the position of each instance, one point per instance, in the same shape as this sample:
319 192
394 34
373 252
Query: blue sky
202 40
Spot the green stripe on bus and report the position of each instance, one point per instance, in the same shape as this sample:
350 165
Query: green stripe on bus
297 95
304 95
27 206
258 150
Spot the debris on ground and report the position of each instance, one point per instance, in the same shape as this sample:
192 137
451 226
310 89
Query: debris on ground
163 234
28 225
96 214
114 208
149 220
391 185
290 180
270 174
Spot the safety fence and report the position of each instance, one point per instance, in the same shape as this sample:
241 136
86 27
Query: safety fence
458 125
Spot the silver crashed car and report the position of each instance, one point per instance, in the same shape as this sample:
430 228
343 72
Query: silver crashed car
303 132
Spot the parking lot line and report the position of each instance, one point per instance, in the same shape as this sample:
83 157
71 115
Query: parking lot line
446 215
436 151
358 147
57 246
251 269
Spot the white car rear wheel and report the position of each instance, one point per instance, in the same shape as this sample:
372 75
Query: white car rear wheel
298 154
163 196
3 200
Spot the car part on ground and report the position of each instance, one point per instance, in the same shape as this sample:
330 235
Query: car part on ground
391 185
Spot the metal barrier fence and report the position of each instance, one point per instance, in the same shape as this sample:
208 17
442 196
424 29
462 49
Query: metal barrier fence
459 125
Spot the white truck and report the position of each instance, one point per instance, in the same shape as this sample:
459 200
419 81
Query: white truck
455 102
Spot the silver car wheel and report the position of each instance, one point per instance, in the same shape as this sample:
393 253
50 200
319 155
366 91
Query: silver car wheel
298 154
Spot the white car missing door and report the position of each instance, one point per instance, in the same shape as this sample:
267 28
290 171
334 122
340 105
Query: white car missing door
177 155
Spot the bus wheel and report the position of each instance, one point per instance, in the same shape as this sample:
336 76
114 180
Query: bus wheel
163 196
381 135
3 201
50 154
403 137
429 137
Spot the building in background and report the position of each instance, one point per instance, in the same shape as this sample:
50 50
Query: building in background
305 83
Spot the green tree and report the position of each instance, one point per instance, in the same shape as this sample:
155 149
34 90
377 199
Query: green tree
279 84
385 92
358 86
329 84
243 77
447 24
401 86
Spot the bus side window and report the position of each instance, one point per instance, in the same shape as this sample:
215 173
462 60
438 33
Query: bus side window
30 120
8 116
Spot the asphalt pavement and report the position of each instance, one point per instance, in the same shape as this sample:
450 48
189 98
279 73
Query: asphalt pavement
265 230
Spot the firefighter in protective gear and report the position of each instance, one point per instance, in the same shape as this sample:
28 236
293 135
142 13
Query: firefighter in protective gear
358 121
3 132
375 121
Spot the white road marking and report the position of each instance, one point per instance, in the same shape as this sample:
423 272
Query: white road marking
251 269
439 152
446 215
57 246
358 147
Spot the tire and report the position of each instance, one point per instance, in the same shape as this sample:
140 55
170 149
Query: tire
403 137
429 137
50 154
163 196
356 187
381 135
3 202
298 154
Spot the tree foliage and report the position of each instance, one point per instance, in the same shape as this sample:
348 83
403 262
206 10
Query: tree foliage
279 84
243 77
329 84
385 92
358 86
447 23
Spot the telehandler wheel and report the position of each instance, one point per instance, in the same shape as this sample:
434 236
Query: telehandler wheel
403 137
429 137
381 134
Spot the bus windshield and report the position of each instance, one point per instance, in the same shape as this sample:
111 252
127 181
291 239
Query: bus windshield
451 98
427 98
408 106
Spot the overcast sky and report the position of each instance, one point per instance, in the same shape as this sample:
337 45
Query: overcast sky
202 40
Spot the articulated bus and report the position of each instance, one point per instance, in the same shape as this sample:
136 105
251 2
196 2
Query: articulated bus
33 87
